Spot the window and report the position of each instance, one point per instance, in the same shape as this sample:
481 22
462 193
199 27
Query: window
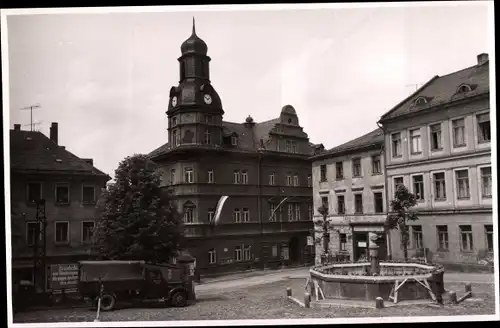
290 212
287 146
211 214
324 201
466 244
415 141
309 180
486 182
397 181
208 119
464 88
237 253
376 165
379 202
442 232
88 194
339 170
343 241
310 211
396 144
488 230
458 133
297 212
322 172
188 214
175 138
31 233
358 203
34 191
294 147
174 121
418 187
420 101
417 237
234 140
436 141
285 254
212 256
272 210
356 167
462 184
188 175
62 194
274 251
210 176
439 186
237 215
296 180
246 215
207 139
244 177
236 176
272 179
62 232
87 231
483 128
340 204
172 176
288 180
247 253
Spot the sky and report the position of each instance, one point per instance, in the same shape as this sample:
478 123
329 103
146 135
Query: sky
105 78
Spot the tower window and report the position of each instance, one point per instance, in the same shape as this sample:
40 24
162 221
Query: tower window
234 140
207 140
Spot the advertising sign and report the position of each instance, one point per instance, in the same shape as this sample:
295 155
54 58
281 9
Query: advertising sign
310 241
63 276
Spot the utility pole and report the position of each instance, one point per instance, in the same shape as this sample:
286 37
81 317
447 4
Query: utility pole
31 112
39 251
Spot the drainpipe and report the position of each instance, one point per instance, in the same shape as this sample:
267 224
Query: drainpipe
259 206
386 189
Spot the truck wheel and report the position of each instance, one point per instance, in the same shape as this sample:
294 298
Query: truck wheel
179 299
108 302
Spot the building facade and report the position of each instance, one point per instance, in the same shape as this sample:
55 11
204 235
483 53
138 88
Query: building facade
438 144
263 168
349 180
42 169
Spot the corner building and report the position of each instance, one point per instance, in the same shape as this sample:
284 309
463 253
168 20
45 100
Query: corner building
257 165
438 144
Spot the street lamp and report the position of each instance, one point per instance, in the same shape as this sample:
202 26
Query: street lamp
323 210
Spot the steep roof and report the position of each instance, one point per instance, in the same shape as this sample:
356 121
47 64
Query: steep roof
33 151
443 89
373 138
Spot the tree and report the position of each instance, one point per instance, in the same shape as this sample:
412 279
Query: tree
401 213
137 219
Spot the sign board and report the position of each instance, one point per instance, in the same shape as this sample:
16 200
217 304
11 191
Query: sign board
361 243
63 276
310 241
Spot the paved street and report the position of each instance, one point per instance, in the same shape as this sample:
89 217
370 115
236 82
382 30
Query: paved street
261 295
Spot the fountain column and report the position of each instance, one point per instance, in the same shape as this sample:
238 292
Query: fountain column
373 251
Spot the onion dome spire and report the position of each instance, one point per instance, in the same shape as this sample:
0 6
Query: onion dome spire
194 45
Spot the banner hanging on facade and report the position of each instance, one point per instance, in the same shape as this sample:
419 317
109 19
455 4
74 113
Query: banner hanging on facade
218 211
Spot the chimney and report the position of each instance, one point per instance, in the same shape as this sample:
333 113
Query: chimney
17 127
482 58
54 133
89 160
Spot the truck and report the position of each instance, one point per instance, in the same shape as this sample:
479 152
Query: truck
116 282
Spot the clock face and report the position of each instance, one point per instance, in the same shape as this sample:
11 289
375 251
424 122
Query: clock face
174 101
207 99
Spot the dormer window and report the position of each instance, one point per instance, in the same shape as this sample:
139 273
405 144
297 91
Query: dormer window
234 140
420 101
464 88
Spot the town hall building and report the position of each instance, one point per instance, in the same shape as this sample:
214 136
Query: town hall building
262 168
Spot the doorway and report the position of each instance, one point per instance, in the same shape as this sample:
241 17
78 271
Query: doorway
294 246
360 245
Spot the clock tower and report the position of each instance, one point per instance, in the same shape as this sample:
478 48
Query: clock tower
194 109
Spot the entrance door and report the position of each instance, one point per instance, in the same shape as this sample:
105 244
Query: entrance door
294 246
360 247
382 244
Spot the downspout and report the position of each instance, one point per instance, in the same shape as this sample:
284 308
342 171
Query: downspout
386 189
259 206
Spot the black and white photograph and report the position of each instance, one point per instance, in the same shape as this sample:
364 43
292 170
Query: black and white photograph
262 164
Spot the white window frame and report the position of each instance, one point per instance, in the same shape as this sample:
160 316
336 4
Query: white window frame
413 191
455 183
274 250
478 127
237 215
418 137
362 203
210 214
341 166
343 204
210 177
236 177
185 217
291 212
452 131
62 184
481 190
470 239
379 166
296 180
272 179
393 154
244 177
247 253
342 243
289 181
417 243
433 185
234 140
68 233
321 178
188 175
82 232
297 212
238 252
173 177
212 256
285 253
375 202
93 201
207 137
354 175
246 215
440 137
272 209
447 241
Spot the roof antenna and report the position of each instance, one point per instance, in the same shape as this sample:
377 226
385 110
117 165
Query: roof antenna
194 28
